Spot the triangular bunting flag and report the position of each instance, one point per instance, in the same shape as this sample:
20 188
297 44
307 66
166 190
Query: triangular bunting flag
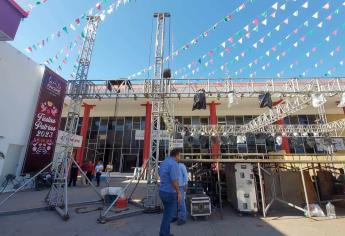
222 54
286 21
275 6
268 53
255 45
250 64
332 53
262 40
305 5
282 7
240 40
308 54
295 44
248 35
295 13
326 6
256 28
306 23
273 15
264 22
246 28
327 38
206 64
263 67
222 67
223 44
236 58
320 25
316 15
277 28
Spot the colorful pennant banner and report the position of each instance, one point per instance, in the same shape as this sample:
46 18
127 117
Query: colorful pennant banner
295 44
238 39
203 35
67 29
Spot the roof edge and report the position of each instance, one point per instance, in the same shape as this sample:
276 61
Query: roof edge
19 8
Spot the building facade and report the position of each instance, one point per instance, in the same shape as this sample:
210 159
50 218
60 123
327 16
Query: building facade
115 131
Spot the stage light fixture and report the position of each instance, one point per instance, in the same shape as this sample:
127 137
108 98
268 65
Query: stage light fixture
225 133
183 134
241 139
305 134
295 134
279 140
265 100
284 134
316 134
202 133
317 100
213 134
192 134
342 100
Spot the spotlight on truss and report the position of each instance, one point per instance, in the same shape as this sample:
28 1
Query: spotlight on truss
265 100
241 139
295 134
279 140
342 100
317 100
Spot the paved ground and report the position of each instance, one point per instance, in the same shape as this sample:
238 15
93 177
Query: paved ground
83 224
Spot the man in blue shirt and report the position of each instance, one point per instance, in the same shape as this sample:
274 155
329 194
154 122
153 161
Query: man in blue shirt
183 183
169 191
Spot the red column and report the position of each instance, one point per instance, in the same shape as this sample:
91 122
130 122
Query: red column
147 134
285 140
83 132
215 147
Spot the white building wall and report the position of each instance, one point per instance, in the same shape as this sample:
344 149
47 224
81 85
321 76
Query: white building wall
20 80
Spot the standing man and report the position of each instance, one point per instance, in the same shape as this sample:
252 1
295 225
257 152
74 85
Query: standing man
73 176
183 184
169 190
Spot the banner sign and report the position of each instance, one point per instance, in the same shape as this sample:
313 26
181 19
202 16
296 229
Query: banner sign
178 143
139 134
62 139
45 125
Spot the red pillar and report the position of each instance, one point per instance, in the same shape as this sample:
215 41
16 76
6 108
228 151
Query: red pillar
83 132
285 140
215 147
147 134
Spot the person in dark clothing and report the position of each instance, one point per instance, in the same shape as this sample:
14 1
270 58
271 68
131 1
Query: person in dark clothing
73 175
89 170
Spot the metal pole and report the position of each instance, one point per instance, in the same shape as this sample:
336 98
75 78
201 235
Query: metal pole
220 193
21 187
262 191
66 190
316 185
305 192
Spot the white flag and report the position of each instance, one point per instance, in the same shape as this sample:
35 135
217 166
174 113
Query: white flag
316 15
305 5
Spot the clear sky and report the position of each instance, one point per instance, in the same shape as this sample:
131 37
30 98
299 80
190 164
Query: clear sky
123 39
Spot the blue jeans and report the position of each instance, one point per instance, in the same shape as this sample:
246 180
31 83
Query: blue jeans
182 211
170 208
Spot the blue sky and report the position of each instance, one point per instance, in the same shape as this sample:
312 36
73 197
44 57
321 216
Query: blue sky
123 39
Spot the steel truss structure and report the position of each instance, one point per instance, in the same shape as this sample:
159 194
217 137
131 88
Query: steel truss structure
57 196
161 107
316 130
186 88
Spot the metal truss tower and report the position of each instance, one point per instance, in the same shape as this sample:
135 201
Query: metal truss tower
158 87
57 197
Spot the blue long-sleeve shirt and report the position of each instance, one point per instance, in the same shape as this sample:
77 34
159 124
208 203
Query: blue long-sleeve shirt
168 172
183 175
